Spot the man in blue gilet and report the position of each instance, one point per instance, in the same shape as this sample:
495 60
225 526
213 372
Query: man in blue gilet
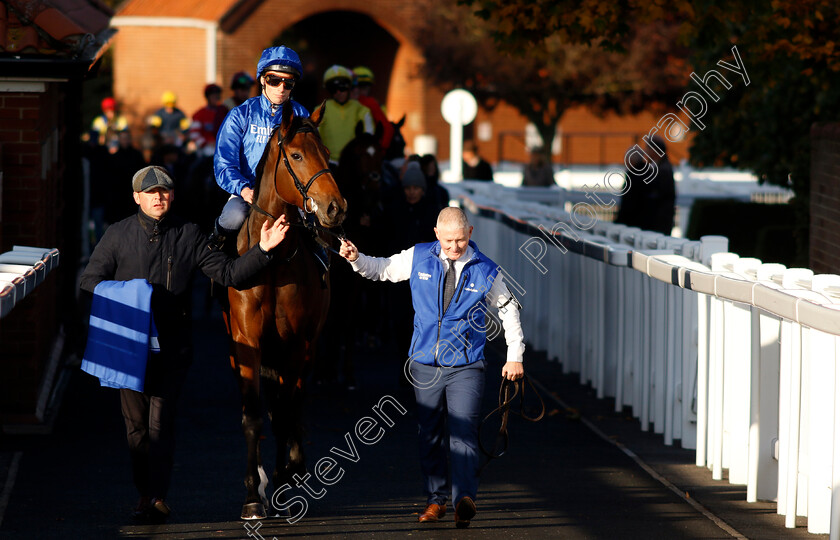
452 285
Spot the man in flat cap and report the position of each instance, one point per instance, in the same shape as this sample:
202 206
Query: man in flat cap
165 251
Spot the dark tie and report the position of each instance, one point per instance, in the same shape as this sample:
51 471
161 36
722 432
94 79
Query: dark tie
449 285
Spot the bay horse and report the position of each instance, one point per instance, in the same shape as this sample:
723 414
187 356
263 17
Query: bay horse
358 175
274 324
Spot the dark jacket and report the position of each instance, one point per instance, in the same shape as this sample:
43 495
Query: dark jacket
166 253
481 171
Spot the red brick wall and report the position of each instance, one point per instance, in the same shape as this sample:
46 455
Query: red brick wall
32 146
149 60
824 251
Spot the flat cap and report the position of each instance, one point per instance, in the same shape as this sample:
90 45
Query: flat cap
151 177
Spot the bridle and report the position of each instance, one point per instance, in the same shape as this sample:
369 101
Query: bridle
304 192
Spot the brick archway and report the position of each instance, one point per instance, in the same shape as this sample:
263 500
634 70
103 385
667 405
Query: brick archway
180 49
243 39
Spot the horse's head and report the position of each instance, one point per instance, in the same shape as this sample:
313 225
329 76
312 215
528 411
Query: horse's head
397 147
302 175
361 161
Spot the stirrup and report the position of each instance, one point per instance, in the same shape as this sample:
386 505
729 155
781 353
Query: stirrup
217 238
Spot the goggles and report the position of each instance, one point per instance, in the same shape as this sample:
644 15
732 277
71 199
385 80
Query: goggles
275 81
338 86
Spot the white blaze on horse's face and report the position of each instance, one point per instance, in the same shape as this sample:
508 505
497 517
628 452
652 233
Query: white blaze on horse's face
371 151
453 240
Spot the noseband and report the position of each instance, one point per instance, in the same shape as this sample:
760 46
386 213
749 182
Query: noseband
304 190
313 228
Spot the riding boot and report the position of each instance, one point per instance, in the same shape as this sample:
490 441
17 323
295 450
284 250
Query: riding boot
217 241
217 238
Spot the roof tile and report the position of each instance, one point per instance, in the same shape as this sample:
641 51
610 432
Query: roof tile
57 24
193 9
49 27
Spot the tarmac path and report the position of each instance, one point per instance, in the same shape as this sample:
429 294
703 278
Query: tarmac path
563 477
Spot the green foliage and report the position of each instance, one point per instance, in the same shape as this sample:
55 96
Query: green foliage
763 231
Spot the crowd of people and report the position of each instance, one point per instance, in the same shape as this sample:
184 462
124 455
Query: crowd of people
220 146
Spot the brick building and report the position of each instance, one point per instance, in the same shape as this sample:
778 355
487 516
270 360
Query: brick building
824 252
46 49
181 46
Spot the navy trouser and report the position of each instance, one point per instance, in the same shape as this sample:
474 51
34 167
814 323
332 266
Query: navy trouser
234 214
452 404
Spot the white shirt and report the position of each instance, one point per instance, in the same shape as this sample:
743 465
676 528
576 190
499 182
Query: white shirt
398 268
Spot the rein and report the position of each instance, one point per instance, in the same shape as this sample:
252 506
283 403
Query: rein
304 192
507 392
313 228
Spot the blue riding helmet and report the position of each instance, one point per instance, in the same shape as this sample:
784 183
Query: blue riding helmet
281 59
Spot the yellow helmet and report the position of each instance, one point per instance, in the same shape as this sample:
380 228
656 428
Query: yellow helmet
363 75
168 97
336 73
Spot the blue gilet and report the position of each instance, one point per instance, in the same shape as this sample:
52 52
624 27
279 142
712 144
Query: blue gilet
457 336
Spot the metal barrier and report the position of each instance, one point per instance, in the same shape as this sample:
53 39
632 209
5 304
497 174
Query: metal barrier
732 357
21 270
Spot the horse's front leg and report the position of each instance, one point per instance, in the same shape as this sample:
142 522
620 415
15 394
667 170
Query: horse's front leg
246 332
286 412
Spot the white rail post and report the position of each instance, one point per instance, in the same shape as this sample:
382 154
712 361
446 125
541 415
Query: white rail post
821 394
795 498
763 475
708 415
704 355
718 436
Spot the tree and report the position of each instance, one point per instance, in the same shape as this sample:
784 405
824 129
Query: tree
520 23
791 49
554 75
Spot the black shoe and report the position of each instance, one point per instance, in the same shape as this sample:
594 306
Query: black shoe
217 238
141 511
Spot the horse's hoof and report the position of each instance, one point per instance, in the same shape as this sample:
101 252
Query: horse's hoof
253 511
280 514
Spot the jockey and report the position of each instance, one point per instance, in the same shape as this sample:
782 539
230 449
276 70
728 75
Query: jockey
244 133
338 125
169 120
364 82
207 121
240 85
109 124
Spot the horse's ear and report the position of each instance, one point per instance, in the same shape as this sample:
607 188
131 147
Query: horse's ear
401 122
288 113
360 128
318 115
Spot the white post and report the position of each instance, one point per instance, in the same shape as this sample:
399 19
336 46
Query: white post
459 109
456 151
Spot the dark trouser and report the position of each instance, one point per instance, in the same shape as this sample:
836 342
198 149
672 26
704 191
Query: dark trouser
453 402
150 430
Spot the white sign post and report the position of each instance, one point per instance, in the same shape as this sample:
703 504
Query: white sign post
458 109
